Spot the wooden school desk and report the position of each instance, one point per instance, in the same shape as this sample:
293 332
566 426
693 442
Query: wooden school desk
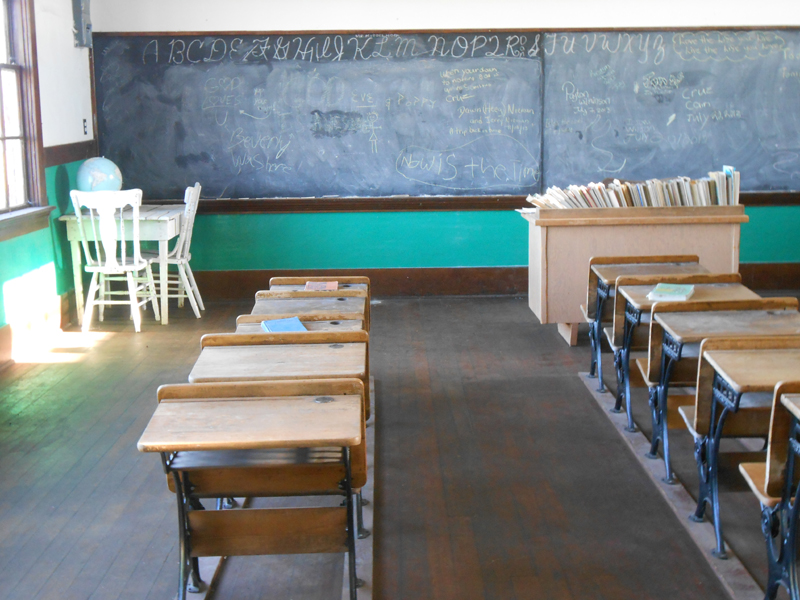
734 399
774 483
323 322
242 424
156 224
603 274
279 356
631 304
311 303
673 332
346 283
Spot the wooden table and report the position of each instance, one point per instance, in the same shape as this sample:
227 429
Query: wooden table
636 304
561 242
223 424
272 362
683 328
736 373
157 223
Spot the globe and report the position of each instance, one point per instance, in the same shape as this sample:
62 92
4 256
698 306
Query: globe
99 175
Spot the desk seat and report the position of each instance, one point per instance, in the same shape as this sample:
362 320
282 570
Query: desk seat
755 474
738 425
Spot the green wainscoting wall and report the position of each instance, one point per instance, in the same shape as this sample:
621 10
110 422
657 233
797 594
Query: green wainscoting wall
771 236
24 254
378 240
20 256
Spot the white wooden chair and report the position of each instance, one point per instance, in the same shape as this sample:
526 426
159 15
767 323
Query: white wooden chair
182 284
110 239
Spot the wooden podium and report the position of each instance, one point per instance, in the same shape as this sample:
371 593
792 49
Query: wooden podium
561 242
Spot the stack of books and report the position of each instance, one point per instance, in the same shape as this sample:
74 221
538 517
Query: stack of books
720 188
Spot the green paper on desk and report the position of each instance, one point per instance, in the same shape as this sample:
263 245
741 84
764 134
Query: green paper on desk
675 292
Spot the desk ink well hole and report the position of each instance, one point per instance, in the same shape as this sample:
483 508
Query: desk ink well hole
337 346
336 323
341 299
324 399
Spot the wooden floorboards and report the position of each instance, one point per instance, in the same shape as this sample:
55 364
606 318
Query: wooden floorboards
496 475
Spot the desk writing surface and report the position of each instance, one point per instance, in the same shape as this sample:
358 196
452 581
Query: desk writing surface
308 306
792 404
755 370
351 325
282 361
694 327
608 273
636 295
252 424
299 288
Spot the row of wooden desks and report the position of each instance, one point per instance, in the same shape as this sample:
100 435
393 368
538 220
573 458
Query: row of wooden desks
603 275
632 305
675 335
740 353
266 415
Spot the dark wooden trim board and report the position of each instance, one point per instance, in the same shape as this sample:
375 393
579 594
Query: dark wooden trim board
216 206
462 281
770 198
449 281
771 276
67 153
392 204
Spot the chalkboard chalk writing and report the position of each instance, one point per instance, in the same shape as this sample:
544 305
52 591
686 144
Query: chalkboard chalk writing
322 115
479 113
660 104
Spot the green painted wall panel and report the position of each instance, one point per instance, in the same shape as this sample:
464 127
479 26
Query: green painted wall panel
772 235
21 255
359 240
60 180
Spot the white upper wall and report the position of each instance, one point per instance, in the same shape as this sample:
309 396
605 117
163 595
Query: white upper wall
353 15
64 81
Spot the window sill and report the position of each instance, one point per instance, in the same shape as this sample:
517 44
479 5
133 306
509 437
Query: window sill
25 220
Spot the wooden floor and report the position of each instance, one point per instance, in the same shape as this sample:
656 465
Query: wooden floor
497 475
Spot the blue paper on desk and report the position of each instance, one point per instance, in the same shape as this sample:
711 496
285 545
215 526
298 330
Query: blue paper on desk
283 325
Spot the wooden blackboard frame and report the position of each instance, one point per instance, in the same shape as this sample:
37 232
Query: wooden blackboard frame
422 203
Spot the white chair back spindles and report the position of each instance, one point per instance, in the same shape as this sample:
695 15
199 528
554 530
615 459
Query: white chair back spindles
191 200
117 251
106 212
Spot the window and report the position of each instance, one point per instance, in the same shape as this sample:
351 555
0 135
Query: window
21 178
12 162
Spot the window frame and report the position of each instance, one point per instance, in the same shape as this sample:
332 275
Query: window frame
23 59
34 214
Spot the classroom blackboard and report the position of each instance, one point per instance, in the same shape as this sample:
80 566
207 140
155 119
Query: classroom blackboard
638 105
455 114
266 116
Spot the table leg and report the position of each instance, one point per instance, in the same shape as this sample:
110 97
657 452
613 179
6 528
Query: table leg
163 275
77 276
